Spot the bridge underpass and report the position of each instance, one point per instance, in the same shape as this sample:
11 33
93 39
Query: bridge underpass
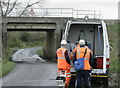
49 44
49 28
53 26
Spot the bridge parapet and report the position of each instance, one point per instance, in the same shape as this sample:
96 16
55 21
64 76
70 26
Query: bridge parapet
56 12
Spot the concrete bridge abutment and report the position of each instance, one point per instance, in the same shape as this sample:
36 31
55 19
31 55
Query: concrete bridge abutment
53 26
50 44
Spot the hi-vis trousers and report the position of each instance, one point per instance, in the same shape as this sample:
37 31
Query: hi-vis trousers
68 77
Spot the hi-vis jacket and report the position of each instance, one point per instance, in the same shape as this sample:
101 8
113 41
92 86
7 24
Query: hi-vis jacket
80 54
62 63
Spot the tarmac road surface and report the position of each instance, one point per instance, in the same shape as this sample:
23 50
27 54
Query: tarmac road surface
32 73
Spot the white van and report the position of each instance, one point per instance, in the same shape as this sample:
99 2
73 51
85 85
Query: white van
95 34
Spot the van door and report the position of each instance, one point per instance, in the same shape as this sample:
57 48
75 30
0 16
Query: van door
106 46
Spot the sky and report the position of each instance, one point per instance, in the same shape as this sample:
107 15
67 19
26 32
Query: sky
108 8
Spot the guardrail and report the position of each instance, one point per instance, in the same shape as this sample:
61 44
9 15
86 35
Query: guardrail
55 12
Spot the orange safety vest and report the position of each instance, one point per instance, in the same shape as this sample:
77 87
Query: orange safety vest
61 62
80 54
74 50
77 46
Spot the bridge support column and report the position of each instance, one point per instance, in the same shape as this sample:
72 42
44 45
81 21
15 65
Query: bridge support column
59 33
50 48
53 40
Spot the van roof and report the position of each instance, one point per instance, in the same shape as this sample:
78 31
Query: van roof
85 22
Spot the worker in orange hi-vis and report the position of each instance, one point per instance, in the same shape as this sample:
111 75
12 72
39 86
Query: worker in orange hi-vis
82 60
63 61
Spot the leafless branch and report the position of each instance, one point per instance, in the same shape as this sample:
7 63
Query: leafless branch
1 7
14 4
7 7
29 5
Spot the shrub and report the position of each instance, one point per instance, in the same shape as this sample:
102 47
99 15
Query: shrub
24 36
14 42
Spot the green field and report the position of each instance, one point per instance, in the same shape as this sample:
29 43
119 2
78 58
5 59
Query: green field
113 40
112 28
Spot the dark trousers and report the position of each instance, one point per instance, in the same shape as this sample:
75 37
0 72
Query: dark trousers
82 76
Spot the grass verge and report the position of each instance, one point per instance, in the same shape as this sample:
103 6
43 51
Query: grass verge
113 40
6 68
6 64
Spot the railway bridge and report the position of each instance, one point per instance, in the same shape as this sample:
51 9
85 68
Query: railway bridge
53 26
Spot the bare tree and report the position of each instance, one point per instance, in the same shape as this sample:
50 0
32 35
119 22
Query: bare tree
9 5
0 34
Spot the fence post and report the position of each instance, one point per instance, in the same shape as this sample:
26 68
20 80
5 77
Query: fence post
94 14
72 12
100 14
77 13
46 12
61 12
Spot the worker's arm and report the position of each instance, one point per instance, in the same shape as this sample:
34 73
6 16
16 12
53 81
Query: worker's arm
91 59
67 57
56 56
74 57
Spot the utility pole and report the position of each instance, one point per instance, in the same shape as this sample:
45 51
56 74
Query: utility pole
0 42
